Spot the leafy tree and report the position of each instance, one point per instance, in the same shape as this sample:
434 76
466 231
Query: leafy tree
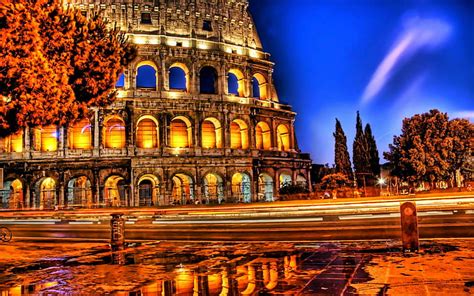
55 63
333 181
341 154
430 148
360 151
374 158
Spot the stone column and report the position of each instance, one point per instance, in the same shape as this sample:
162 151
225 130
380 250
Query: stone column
97 132
61 141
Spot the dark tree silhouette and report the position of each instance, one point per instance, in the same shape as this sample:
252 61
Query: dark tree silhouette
341 154
360 152
374 158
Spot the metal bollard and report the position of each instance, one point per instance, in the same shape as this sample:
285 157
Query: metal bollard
117 231
409 224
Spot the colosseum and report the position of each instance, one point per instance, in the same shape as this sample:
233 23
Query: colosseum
197 120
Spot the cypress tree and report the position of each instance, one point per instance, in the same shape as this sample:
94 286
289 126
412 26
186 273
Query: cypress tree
373 151
341 154
360 154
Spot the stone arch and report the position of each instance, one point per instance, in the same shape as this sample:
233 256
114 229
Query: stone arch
114 132
235 82
208 80
259 86
79 192
148 190
12 195
146 75
179 77
213 188
147 132
80 135
182 188
241 187
283 137
211 133
181 134
45 196
265 187
115 191
285 178
263 136
239 134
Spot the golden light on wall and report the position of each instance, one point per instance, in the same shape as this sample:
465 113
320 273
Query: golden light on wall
80 135
112 190
47 192
46 138
263 136
181 133
147 133
114 133
239 135
283 137
14 143
182 187
211 133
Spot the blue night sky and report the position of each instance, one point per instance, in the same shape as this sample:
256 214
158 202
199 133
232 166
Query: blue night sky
387 58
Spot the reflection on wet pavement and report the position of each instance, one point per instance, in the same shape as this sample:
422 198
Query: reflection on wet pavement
195 269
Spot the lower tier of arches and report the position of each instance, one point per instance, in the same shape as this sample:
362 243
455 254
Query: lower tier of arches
121 184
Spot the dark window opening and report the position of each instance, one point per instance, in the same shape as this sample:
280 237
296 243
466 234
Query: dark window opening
208 80
180 44
207 26
233 84
146 18
255 88
177 79
84 12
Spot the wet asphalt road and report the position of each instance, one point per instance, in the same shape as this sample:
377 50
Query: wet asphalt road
318 228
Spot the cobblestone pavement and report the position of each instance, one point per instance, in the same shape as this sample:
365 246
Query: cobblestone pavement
443 267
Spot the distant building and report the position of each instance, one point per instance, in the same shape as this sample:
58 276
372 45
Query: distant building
197 120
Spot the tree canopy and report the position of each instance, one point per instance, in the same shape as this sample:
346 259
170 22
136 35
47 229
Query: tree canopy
431 147
55 63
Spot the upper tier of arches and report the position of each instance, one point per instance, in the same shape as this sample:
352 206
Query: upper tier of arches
197 79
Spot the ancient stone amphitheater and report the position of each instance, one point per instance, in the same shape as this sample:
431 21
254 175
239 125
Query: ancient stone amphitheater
197 120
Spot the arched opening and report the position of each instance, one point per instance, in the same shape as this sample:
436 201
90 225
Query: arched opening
263 136
283 137
301 181
178 77
114 133
147 133
47 194
46 138
265 188
183 189
80 135
146 76
241 190
211 133
148 191
235 83
259 87
208 80
12 195
115 192
239 135
14 143
181 132
79 193
213 188
120 81
285 180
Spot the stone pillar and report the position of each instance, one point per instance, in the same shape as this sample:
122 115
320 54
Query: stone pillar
274 134
61 185
97 192
292 136
165 74
117 233
97 132
61 141
27 144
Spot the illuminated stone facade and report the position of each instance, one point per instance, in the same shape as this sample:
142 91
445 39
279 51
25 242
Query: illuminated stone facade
197 120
